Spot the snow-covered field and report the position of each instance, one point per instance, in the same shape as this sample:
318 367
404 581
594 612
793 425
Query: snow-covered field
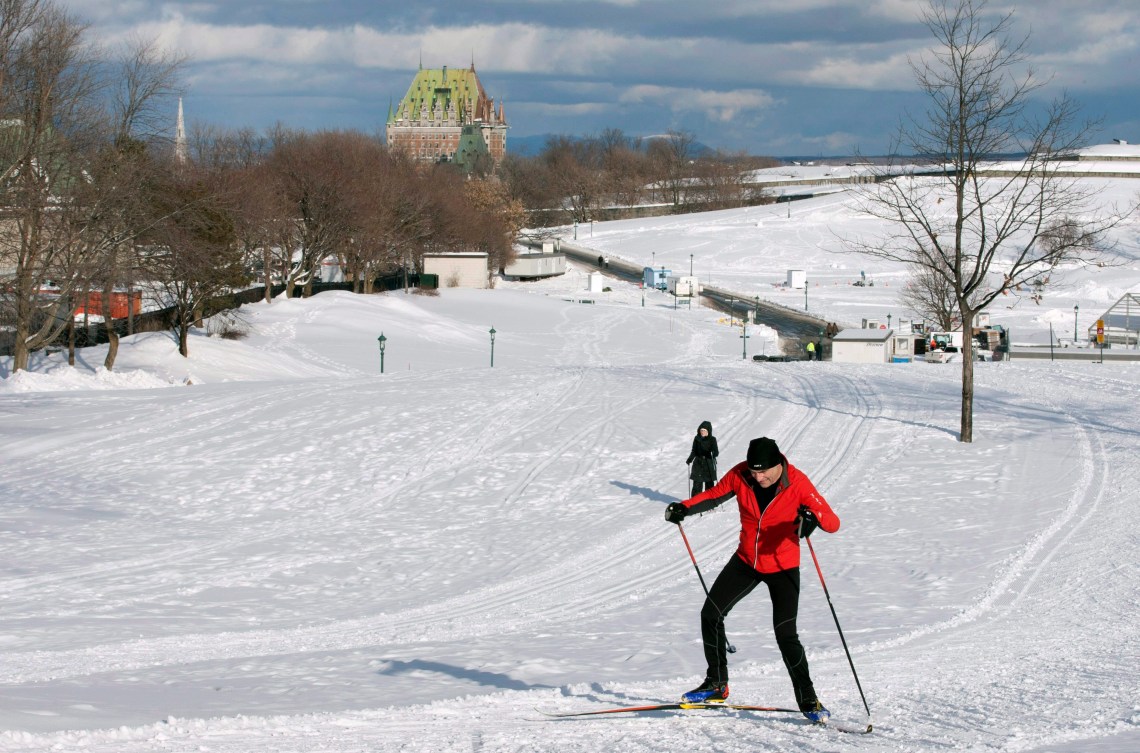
750 251
273 547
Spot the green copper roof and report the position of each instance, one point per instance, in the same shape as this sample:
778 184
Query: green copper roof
442 86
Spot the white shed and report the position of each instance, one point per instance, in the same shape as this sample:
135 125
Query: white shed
595 281
797 279
533 266
460 270
683 286
862 346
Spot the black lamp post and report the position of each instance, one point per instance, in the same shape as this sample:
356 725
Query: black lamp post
744 337
805 293
690 265
383 341
1076 308
492 347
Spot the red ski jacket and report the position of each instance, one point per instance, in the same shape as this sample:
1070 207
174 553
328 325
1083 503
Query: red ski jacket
769 541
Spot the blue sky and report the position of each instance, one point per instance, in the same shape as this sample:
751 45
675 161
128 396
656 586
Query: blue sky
771 77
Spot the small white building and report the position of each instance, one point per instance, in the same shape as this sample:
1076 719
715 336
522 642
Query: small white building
595 281
797 279
459 270
905 347
862 346
683 286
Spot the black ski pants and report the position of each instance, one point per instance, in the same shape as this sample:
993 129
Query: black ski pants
701 484
735 582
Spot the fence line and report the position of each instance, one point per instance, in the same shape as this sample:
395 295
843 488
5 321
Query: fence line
161 320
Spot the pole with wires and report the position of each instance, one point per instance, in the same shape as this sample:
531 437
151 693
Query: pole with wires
731 648
837 627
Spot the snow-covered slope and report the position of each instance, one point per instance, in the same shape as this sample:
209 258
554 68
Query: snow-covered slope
272 547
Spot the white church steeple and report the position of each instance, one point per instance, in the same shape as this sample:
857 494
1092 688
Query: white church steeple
180 135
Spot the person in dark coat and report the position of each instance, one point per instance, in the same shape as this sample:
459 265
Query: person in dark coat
702 459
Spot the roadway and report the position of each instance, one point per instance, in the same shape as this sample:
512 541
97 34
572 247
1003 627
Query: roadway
788 323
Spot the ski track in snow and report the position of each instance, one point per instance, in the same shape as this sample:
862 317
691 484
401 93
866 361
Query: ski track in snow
1002 656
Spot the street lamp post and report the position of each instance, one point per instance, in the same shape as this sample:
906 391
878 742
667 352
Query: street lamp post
383 341
1076 308
805 293
744 337
492 346
888 321
690 265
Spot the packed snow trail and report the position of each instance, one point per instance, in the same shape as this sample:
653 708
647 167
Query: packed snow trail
337 561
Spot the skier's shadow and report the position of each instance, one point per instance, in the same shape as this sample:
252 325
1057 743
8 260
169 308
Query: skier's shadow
490 679
641 491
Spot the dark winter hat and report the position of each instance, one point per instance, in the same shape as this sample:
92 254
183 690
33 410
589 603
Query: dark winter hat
763 454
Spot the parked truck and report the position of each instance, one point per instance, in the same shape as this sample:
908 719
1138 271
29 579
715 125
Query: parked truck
986 342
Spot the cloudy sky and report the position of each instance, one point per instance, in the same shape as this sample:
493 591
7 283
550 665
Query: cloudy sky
772 77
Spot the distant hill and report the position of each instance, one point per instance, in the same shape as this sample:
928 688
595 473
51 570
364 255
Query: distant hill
529 146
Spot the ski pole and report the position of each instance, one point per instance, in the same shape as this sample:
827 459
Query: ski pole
841 638
731 648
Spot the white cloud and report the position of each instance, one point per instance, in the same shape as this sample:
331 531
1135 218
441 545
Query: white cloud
720 105
558 111
849 70
510 47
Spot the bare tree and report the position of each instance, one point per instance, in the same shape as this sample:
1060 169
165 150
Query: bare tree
259 208
191 248
496 222
47 94
930 295
672 158
984 232
721 181
313 170
625 167
145 79
574 169
376 190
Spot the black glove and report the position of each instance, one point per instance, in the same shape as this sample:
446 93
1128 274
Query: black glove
675 512
807 521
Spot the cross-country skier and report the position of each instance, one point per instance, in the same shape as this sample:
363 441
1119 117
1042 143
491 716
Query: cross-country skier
702 459
778 505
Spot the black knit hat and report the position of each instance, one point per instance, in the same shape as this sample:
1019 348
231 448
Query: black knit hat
763 454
